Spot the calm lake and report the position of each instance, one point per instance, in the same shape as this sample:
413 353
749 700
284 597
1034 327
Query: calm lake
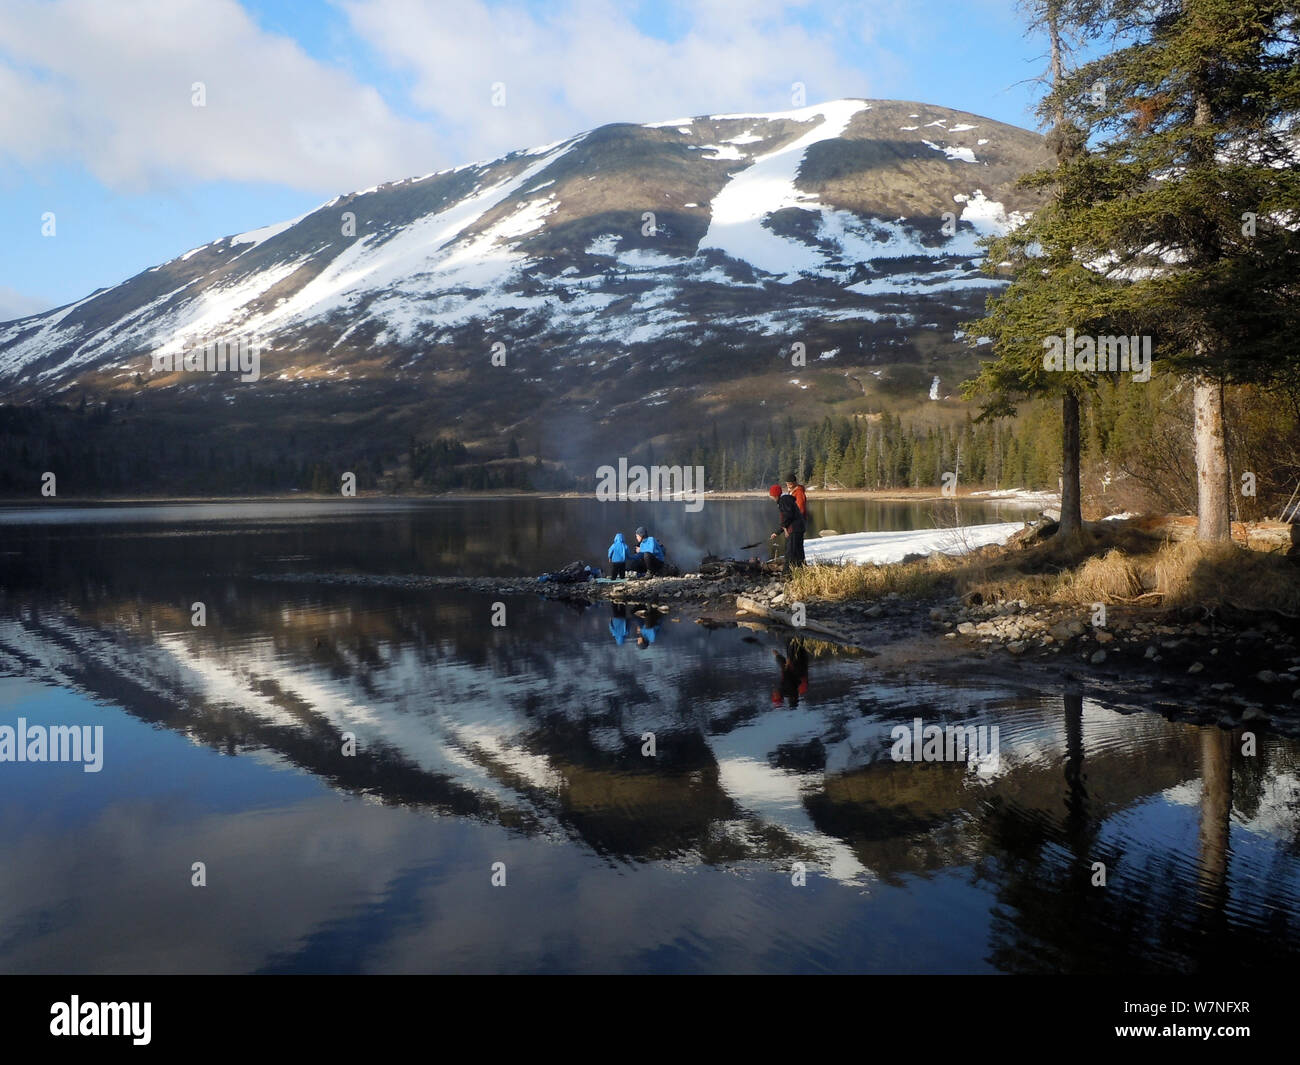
381 780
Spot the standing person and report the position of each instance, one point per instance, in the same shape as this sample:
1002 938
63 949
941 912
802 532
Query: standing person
792 524
618 553
800 494
774 549
648 557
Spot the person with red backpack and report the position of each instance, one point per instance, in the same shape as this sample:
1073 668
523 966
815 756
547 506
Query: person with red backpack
792 524
800 495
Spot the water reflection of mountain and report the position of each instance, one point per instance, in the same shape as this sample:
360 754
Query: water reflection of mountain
537 726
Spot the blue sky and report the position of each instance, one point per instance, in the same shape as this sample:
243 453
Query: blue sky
302 101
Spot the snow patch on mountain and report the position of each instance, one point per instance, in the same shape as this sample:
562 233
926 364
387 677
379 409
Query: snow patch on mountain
964 154
721 151
988 216
766 186
261 236
217 308
47 336
935 281
604 245
640 258
425 259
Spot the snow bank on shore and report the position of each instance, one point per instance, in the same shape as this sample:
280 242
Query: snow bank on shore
1019 495
893 546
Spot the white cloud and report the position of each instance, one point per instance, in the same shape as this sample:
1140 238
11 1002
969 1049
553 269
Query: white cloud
15 304
582 63
109 86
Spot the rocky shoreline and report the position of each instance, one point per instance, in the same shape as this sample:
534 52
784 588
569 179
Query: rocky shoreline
1234 670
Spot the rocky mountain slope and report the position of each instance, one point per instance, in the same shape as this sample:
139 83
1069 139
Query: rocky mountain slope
631 283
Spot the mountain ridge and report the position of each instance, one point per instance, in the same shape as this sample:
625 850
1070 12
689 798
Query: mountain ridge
691 254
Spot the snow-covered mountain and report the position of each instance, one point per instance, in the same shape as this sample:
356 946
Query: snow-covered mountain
621 269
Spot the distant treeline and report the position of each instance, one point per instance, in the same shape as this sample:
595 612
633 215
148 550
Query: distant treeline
114 449
882 452
1134 441
446 464
1136 453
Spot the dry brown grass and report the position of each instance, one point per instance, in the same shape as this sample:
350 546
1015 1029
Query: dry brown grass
1109 578
1105 565
1192 574
834 583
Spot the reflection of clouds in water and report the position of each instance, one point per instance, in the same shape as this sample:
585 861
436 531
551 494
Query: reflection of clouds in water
466 722
337 882
1276 813
121 886
469 728
538 718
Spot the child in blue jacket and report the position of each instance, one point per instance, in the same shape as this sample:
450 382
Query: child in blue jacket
618 552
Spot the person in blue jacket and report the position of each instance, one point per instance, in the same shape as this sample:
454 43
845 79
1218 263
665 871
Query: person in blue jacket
649 627
618 622
649 555
618 555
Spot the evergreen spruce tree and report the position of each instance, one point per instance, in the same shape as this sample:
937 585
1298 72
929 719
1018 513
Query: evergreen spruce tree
1051 289
1194 190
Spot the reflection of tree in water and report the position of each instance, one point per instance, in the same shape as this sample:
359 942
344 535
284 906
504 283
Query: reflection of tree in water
433 668
1256 780
1157 916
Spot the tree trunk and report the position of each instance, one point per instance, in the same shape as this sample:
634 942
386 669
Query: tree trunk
1071 513
1213 490
1057 67
1216 819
